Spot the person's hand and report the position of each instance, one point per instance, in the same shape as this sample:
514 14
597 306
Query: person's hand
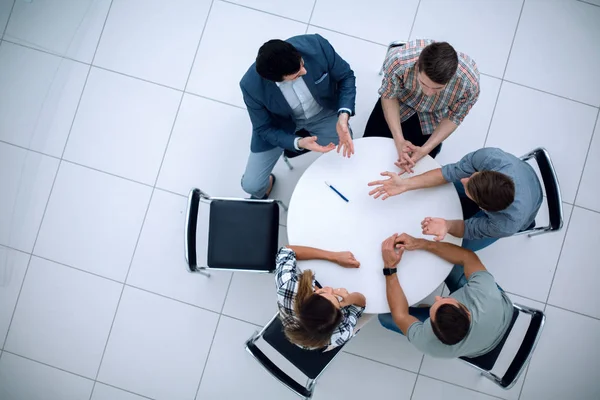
388 187
355 298
346 259
310 143
345 144
407 242
436 227
390 254
404 161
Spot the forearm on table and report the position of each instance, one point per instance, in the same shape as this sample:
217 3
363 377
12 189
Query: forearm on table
441 133
391 112
311 253
426 180
397 302
456 227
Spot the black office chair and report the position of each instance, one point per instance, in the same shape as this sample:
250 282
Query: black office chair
550 181
311 363
486 362
396 43
242 233
288 154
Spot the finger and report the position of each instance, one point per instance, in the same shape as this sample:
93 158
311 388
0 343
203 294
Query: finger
385 196
339 147
375 183
374 191
388 174
438 238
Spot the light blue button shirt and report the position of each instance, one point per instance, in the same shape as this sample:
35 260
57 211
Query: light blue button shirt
301 101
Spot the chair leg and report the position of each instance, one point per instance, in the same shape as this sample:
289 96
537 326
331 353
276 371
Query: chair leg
287 162
200 270
539 232
282 204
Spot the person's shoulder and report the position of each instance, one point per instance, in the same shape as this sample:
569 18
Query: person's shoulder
251 79
467 72
307 44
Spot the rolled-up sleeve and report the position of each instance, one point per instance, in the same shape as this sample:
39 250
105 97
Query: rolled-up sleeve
459 109
392 82
484 227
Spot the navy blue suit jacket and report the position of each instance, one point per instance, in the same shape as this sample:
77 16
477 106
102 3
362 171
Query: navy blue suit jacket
328 77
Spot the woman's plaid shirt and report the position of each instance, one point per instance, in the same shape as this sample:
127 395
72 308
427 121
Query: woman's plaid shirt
400 82
287 276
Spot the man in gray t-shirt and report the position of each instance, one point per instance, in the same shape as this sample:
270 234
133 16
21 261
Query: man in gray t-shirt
470 322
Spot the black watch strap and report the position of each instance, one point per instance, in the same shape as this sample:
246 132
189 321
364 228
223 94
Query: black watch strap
389 271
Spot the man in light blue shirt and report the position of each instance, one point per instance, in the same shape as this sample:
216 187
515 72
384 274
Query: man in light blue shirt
297 84
500 196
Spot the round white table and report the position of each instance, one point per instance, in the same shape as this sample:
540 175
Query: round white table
318 217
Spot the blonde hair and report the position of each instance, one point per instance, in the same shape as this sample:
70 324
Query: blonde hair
316 316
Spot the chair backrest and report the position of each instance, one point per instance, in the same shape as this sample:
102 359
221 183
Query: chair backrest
191 224
486 362
312 363
551 185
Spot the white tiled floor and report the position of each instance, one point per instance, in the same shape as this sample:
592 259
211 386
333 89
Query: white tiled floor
110 111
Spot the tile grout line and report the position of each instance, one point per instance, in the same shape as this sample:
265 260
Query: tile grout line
348 35
571 311
418 374
586 2
412 26
546 92
503 73
462 387
310 17
262 11
213 338
572 210
8 19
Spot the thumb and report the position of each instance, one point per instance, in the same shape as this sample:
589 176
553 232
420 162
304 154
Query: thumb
313 138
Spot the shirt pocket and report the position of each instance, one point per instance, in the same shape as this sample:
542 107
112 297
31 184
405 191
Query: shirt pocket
322 78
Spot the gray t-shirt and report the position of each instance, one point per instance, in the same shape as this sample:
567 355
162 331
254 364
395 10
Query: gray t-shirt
491 314
528 193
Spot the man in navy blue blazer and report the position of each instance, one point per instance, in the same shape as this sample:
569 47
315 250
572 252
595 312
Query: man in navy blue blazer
300 83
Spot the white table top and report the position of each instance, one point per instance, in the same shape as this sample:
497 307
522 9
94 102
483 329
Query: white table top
318 217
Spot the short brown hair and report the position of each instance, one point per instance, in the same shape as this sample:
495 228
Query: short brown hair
439 62
316 316
491 190
451 323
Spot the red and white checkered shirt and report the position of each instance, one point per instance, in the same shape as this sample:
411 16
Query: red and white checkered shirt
400 82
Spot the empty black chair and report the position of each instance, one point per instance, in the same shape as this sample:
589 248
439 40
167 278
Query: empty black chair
311 363
242 233
486 362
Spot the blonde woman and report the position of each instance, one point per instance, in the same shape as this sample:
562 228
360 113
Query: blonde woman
315 317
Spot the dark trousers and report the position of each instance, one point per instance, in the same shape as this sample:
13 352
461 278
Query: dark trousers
411 128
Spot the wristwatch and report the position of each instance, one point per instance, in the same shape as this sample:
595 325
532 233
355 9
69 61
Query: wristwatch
389 271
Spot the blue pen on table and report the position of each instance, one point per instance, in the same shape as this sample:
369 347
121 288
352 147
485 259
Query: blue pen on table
335 190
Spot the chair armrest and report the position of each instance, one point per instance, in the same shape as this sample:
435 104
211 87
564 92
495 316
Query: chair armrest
191 224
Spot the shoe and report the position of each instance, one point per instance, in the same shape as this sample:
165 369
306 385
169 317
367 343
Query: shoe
266 196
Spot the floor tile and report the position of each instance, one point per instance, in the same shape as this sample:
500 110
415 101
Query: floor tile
219 66
379 344
471 134
22 379
299 10
525 119
207 152
93 221
489 22
457 372
146 355
13 265
525 265
252 380
365 59
589 191
63 317
533 64
429 389
252 297
25 183
122 126
335 380
69 28
159 263
566 360
5 9
39 93
381 21
574 286
105 392
173 28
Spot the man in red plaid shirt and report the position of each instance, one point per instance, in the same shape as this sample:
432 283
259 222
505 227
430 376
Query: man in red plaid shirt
427 90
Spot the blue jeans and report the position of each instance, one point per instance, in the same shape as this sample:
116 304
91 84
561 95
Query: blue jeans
255 180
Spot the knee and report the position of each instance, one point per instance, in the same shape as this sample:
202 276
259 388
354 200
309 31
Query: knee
251 185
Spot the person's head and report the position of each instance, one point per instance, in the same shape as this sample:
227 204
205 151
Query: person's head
279 61
490 190
437 64
450 320
317 312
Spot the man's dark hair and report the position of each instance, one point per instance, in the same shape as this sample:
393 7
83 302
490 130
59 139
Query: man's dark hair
277 59
439 62
491 190
451 323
